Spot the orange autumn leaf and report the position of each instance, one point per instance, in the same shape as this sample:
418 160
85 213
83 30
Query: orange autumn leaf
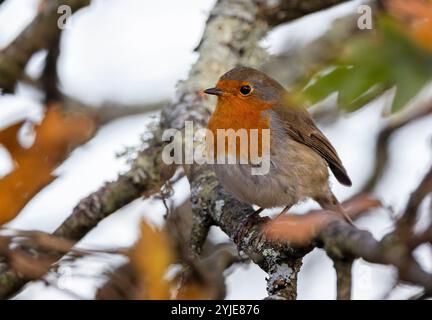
54 138
151 257
410 10
422 34
417 15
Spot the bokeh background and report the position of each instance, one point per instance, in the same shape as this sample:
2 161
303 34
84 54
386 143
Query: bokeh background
134 52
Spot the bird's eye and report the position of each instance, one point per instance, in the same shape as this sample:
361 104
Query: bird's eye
245 90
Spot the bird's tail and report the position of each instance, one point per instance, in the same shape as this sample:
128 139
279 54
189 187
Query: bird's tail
330 202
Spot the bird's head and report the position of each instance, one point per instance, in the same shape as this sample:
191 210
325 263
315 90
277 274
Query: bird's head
243 85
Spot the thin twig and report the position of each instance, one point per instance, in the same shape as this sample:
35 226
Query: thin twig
383 142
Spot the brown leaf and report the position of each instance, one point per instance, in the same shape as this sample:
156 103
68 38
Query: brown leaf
55 137
151 257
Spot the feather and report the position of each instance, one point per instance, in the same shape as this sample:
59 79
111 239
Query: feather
300 127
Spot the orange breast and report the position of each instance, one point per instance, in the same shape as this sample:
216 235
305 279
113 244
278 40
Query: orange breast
241 116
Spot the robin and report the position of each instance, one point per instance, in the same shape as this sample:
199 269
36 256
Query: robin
300 154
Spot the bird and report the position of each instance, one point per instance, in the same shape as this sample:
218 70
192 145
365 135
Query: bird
300 154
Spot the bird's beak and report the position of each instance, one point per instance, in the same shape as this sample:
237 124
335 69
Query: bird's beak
214 91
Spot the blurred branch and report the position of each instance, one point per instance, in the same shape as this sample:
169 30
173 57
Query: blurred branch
108 112
424 237
396 248
286 10
417 197
49 78
383 142
45 242
40 34
32 253
28 266
344 240
343 278
406 223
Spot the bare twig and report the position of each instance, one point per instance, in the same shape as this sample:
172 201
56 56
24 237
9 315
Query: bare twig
108 112
45 242
383 141
41 33
405 224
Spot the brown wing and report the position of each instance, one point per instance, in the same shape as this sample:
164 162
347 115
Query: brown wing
301 128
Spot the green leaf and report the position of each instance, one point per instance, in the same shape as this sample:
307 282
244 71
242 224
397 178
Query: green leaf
369 65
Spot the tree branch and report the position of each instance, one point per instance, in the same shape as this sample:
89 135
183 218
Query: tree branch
286 10
40 34
382 146
343 269
344 240
49 78
406 223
